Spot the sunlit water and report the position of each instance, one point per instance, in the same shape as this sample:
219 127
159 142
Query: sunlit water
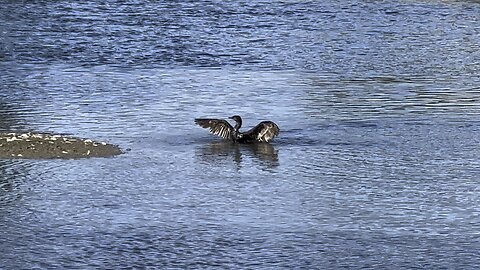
376 166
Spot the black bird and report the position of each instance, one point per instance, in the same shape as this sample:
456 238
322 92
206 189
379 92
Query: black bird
263 132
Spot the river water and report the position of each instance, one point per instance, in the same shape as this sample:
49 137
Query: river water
376 166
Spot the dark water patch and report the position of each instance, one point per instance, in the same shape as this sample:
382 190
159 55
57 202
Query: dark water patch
312 36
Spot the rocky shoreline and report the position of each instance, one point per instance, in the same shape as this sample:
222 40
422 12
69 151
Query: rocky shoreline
49 146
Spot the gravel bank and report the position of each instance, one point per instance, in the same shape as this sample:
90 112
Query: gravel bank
49 146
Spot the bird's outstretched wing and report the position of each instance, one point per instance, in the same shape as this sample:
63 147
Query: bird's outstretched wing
265 131
218 127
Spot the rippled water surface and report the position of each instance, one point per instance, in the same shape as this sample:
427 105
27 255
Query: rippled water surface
376 166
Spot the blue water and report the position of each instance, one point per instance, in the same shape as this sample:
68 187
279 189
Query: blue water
376 165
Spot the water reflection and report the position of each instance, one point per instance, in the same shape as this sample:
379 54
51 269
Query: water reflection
12 175
6 180
216 152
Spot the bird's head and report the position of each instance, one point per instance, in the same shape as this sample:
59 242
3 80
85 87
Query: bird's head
236 118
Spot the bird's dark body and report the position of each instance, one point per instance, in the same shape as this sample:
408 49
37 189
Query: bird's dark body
265 131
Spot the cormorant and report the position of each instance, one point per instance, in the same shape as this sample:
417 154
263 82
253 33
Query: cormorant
265 131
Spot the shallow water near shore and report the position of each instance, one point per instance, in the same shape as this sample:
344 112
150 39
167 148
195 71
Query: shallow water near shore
376 165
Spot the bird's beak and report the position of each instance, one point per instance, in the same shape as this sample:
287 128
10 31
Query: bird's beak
231 117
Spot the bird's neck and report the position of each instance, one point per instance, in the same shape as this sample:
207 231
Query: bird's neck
238 125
